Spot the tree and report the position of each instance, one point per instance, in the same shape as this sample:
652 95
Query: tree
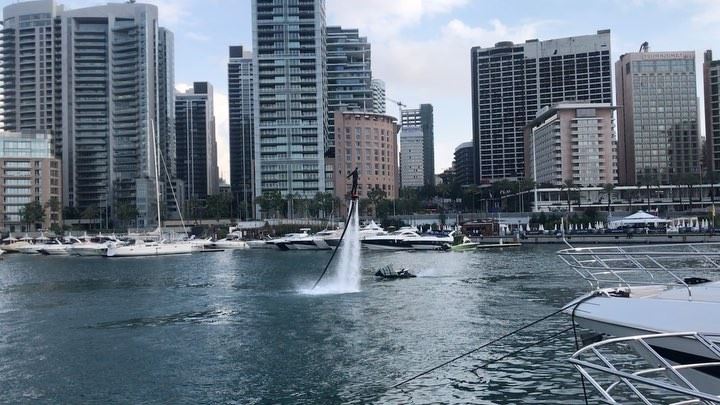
32 213
53 204
608 190
218 206
568 185
125 213
647 180
375 196
90 213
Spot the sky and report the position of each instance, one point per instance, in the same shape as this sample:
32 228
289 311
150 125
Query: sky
421 48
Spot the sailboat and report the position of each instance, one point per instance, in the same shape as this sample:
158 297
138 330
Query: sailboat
160 247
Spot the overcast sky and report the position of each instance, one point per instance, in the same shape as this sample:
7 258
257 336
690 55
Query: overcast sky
421 48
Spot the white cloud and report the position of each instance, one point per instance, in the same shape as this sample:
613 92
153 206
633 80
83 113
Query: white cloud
196 36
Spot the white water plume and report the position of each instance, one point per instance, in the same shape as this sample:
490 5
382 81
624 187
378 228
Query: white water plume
344 276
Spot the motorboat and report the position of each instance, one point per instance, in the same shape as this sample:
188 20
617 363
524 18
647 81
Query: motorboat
260 244
56 247
232 241
431 241
301 241
93 247
646 290
465 245
332 237
148 248
391 241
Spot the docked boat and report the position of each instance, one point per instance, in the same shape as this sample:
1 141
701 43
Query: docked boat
332 237
260 244
301 241
465 245
56 247
230 242
431 241
93 247
391 241
148 248
12 244
644 290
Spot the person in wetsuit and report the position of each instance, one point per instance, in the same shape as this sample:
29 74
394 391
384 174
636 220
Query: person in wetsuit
354 174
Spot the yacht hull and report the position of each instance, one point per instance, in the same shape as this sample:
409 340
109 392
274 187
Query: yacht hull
149 250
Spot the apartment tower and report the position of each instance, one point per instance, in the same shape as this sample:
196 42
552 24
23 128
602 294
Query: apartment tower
196 146
240 102
511 82
658 136
290 87
422 118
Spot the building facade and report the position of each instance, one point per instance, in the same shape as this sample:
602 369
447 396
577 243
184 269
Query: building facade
98 69
290 111
368 142
572 141
30 172
196 146
658 137
511 82
241 123
378 94
412 162
711 87
462 167
423 118
348 74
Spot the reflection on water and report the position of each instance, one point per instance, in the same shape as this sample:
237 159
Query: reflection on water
233 326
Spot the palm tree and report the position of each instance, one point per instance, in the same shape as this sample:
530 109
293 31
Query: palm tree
568 185
608 190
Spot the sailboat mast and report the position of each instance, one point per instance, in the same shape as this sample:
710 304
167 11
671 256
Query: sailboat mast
157 180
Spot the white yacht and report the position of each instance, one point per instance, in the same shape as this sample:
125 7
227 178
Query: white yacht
232 241
390 241
643 290
432 241
301 241
148 248
332 237
93 247
56 247
261 244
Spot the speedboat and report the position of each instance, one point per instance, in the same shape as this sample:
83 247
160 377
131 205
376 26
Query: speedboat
645 290
232 241
332 237
151 248
94 247
55 247
302 241
392 241
431 241
260 244
465 245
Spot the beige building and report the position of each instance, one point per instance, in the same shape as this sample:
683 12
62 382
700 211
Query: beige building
572 141
367 141
29 172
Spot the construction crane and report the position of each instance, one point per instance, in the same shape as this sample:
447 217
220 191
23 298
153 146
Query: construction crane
644 47
400 107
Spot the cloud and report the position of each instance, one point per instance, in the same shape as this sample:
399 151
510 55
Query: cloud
381 19
196 36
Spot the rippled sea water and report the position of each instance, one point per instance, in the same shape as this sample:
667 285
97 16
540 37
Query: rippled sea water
235 327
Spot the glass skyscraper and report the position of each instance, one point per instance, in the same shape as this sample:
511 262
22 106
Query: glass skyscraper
240 102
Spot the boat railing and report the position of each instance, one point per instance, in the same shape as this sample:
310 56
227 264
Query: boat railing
629 266
631 369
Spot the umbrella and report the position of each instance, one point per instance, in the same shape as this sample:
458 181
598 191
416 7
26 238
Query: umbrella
589 226
42 237
10 239
26 237
541 228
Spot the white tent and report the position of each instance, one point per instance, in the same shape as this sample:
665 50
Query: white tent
639 218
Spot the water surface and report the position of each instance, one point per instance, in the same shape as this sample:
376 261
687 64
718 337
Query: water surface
235 327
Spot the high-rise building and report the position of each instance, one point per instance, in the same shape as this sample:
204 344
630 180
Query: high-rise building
572 141
368 142
423 118
291 134
30 172
511 82
166 99
196 146
658 135
31 65
462 167
348 74
412 162
711 85
242 138
378 94
90 76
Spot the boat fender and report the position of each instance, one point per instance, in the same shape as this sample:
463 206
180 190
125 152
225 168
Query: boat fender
695 280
